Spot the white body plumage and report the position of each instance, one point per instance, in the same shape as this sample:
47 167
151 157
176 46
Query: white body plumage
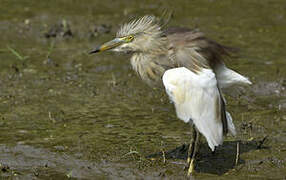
197 100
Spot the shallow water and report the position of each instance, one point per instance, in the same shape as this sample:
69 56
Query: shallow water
64 113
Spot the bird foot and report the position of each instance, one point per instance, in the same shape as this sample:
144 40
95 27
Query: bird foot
191 169
187 164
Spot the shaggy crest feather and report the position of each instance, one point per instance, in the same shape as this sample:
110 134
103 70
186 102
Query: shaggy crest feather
146 24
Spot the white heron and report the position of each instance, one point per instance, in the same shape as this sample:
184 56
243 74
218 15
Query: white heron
193 73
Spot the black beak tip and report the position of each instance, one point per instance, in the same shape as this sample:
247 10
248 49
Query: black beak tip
94 51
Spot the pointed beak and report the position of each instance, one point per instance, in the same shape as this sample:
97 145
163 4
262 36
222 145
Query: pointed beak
108 45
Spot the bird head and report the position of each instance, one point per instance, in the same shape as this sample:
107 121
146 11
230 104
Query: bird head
141 35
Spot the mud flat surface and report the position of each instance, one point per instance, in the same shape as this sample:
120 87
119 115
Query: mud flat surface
66 114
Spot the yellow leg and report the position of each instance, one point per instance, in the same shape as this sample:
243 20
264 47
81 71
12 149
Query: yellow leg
191 167
193 148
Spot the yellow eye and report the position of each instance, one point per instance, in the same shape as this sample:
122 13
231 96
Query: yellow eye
130 38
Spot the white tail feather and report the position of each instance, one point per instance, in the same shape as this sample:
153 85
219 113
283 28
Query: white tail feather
230 125
227 77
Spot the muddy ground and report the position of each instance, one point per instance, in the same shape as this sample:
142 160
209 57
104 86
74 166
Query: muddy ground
66 114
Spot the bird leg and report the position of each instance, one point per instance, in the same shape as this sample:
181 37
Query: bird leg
193 148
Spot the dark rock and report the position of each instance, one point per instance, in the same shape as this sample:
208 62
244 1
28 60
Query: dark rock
100 29
59 30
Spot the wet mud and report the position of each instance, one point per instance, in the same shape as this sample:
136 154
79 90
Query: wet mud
66 114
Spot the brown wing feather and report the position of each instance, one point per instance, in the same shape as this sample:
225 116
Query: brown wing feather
186 48
200 50
223 115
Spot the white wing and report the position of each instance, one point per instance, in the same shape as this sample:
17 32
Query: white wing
227 77
197 98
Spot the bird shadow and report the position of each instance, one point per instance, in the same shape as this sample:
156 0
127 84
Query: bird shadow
218 162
